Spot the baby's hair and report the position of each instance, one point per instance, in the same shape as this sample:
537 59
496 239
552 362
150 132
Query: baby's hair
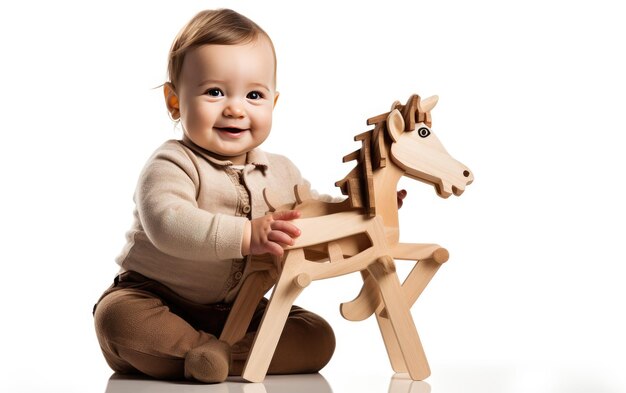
212 27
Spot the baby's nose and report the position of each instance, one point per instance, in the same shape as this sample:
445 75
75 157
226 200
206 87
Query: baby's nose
233 109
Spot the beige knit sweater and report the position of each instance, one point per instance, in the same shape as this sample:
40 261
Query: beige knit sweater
189 222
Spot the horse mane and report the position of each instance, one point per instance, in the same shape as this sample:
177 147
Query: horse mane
358 184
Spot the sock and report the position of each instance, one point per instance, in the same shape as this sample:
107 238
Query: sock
209 362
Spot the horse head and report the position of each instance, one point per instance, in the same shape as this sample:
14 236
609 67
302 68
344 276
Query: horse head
418 151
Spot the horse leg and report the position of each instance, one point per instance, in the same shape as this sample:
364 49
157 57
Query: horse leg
365 303
386 330
400 319
417 280
429 258
250 294
287 289
423 271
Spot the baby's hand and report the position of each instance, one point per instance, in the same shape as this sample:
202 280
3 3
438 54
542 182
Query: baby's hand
272 232
401 195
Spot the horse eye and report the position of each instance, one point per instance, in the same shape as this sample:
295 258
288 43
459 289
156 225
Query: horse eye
423 132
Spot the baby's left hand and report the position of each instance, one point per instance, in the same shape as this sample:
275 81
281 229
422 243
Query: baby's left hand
401 195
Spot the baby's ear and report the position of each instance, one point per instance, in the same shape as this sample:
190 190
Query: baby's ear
171 100
276 98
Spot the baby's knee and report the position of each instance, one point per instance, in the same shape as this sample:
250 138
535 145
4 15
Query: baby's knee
118 314
314 337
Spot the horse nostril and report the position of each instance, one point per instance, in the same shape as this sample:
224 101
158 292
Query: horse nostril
466 173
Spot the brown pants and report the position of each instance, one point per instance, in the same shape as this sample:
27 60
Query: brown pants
143 326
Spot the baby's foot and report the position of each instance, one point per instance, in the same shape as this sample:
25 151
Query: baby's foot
209 362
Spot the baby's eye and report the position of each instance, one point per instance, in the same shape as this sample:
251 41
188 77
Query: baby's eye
254 95
214 92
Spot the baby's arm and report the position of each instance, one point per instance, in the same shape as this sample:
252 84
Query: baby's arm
270 233
170 215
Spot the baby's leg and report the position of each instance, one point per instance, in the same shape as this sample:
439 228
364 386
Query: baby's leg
137 332
305 346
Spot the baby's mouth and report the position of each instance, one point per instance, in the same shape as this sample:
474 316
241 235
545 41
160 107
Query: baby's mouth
231 130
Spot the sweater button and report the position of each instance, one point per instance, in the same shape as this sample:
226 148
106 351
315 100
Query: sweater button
246 209
238 276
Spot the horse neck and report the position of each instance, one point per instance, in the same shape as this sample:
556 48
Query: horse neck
385 189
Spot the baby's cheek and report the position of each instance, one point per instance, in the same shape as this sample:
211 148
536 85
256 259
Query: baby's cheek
193 119
263 121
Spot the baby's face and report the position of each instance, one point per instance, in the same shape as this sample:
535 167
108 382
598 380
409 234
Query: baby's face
226 96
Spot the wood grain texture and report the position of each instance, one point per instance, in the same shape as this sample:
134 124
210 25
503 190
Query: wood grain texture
360 234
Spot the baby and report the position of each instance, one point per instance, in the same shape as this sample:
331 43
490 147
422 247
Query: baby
200 216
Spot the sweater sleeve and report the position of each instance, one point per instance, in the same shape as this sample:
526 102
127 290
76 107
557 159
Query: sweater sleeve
170 216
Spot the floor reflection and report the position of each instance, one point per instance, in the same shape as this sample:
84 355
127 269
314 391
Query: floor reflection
305 383
402 383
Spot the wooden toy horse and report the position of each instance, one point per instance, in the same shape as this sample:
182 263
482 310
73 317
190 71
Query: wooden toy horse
360 234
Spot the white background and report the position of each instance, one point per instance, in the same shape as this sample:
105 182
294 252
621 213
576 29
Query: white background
531 100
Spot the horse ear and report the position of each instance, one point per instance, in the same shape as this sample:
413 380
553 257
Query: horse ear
395 125
427 104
